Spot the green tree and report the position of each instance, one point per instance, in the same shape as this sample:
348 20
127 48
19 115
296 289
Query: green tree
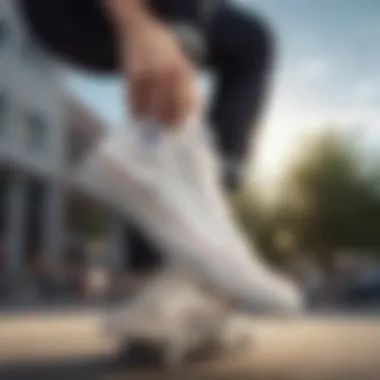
95 222
329 201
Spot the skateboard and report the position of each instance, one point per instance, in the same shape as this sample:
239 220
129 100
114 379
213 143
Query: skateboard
172 323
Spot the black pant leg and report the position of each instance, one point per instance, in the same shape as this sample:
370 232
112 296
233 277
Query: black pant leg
241 50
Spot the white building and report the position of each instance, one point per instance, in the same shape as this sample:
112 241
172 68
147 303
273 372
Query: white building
41 132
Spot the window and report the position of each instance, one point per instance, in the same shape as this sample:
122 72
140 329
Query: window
77 147
4 33
36 132
4 110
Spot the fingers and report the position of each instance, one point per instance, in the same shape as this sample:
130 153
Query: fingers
165 93
175 96
163 85
140 83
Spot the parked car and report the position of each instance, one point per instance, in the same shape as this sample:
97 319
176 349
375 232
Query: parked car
364 293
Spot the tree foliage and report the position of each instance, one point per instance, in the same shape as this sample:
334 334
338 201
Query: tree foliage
339 203
328 201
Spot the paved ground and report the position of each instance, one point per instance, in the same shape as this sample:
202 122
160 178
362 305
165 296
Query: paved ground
71 346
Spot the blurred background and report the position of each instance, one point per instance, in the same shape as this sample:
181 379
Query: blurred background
311 202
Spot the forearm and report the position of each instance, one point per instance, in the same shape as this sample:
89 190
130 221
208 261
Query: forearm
126 13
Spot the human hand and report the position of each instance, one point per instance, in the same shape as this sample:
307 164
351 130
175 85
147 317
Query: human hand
161 80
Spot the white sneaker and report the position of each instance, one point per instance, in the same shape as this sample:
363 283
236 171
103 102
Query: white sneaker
168 182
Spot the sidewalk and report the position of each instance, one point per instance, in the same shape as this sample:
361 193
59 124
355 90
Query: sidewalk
309 349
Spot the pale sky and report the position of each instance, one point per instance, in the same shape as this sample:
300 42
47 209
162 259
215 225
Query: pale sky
328 70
